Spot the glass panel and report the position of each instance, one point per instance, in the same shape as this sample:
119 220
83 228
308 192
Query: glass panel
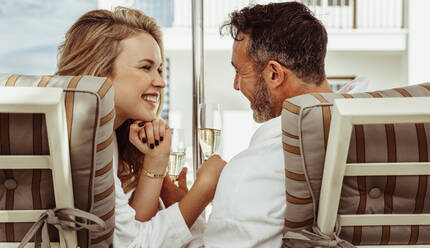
32 30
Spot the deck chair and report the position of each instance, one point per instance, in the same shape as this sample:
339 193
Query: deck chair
353 214
50 103
56 161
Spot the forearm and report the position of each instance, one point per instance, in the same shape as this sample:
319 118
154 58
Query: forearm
193 204
145 199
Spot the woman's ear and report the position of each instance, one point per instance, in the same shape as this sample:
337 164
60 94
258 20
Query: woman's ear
274 74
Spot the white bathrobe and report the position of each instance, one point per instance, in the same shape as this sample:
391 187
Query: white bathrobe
249 205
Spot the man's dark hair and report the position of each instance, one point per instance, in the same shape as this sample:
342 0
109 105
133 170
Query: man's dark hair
285 32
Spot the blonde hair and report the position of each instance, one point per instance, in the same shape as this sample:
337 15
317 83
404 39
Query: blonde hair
91 46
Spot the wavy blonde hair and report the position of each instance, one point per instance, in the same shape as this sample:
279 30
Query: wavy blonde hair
91 46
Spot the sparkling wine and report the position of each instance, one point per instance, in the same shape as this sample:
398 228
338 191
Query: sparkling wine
210 140
176 163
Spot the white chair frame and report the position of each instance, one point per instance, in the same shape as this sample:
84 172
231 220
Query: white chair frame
48 101
349 112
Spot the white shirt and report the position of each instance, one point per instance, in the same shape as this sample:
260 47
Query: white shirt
166 229
250 203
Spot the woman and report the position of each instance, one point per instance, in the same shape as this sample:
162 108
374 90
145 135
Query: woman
125 45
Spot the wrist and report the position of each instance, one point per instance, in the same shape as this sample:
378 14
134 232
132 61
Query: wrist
153 175
156 165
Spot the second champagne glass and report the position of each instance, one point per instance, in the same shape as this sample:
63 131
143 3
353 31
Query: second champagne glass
210 129
177 153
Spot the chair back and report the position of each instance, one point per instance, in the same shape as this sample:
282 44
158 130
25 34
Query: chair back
306 122
89 115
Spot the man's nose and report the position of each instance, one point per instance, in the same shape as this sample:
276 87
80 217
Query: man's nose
236 84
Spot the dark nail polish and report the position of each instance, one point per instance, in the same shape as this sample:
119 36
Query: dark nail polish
152 146
161 138
144 140
157 143
141 124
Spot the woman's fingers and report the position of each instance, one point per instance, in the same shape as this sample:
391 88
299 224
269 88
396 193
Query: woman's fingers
162 129
149 129
156 129
146 136
142 134
135 134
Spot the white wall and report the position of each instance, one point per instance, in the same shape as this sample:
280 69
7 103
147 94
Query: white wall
419 40
383 69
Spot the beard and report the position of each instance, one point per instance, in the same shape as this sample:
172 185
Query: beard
261 102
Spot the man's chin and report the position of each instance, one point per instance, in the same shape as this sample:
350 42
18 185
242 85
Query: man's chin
260 118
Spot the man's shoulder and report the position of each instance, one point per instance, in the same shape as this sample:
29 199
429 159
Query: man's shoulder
259 150
256 160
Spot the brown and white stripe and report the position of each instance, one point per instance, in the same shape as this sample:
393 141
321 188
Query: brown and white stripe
37 150
361 181
98 93
423 157
303 118
12 80
104 237
326 116
5 150
391 180
70 99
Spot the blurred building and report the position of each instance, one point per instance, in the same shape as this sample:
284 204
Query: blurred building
385 41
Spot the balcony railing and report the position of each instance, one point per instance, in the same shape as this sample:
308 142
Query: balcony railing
359 14
335 14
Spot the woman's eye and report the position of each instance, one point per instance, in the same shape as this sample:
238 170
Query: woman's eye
145 67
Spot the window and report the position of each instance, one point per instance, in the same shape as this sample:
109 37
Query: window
161 10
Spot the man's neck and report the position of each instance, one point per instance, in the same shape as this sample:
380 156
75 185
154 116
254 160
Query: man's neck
301 88
323 87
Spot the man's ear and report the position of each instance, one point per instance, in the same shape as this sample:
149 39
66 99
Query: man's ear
275 74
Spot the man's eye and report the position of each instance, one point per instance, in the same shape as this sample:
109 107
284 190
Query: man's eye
145 67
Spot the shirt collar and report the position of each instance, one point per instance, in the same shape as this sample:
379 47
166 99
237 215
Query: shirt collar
270 129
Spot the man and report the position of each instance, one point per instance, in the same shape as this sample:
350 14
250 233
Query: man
278 53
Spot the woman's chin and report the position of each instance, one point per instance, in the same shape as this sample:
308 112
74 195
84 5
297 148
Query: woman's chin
146 117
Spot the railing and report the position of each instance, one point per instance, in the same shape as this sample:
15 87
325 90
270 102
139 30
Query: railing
359 14
335 14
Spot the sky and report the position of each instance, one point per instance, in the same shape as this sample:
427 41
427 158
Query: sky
31 31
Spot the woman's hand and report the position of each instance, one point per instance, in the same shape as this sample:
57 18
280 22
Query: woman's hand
170 193
152 139
208 176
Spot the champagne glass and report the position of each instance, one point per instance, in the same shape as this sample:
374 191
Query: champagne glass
177 153
210 129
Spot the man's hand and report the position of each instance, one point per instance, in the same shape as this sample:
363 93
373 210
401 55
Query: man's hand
170 193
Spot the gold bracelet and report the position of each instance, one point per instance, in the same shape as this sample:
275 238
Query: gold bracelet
153 175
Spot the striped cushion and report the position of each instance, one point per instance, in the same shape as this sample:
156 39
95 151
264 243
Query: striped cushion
90 115
305 127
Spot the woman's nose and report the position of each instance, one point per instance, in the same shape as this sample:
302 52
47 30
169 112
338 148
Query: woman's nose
159 81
